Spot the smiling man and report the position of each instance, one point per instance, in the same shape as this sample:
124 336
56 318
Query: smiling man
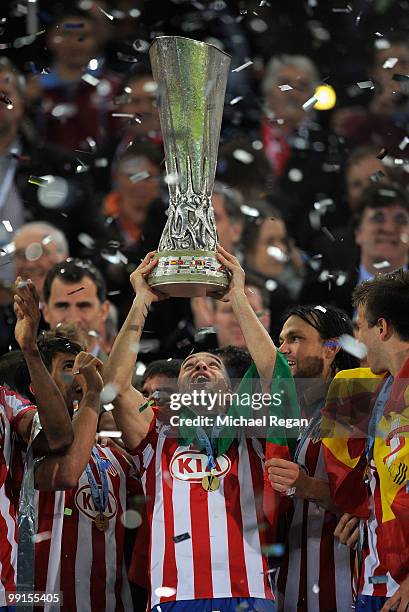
381 226
206 550
314 559
75 292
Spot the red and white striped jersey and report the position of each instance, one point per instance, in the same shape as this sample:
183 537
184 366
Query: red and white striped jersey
371 563
316 571
221 553
71 555
12 408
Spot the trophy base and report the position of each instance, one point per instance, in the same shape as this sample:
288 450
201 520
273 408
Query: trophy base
188 274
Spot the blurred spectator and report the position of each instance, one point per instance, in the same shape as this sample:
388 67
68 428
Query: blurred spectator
38 247
383 123
362 169
227 203
218 317
139 98
306 157
75 292
381 224
75 97
38 182
136 187
243 165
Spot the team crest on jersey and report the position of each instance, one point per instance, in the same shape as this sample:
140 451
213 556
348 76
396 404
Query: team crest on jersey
85 504
192 465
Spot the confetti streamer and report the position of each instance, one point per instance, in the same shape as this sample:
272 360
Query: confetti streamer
242 67
352 346
107 433
139 176
308 105
106 14
365 85
76 291
382 264
236 100
285 87
7 225
181 537
91 80
404 143
37 180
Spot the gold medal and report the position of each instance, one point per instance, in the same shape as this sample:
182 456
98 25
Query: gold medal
101 522
210 483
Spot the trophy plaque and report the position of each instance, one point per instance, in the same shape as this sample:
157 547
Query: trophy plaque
191 78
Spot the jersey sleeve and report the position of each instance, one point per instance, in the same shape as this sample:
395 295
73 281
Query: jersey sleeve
144 452
15 405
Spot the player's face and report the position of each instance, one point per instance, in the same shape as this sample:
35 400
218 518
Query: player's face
370 337
158 382
303 348
61 373
203 371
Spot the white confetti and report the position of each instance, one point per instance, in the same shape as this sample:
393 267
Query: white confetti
172 178
108 394
309 103
243 156
277 254
139 176
382 264
271 284
235 100
41 537
33 251
150 87
316 589
404 143
131 519
91 80
86 240
242 67
365 85
164 591
105 13
140 368
7 225
249 211
108 433
108 407
390 62
352 346
284 87
324 310
295 175
54 192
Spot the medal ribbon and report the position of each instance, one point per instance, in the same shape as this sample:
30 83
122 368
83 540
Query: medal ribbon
206 444
99 494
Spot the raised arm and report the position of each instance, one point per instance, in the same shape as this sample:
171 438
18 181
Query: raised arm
58 472
258 341
119 368
54 417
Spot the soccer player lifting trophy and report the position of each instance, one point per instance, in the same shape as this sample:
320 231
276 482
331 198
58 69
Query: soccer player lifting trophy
191 78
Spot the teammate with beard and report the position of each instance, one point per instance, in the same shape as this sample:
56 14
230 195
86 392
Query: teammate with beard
199 503
315 573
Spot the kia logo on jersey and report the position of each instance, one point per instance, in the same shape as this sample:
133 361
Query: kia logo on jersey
85 503
193 465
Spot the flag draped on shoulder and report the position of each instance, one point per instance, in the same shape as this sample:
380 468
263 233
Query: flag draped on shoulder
344 426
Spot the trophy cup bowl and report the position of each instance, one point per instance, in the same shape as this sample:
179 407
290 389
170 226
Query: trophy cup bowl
191 78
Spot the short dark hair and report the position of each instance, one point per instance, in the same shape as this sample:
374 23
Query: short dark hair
253 226
236 360
330 322
52 343
73 270
380 196
164 367
386 297
258 173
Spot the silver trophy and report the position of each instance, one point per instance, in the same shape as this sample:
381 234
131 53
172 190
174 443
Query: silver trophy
191 78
